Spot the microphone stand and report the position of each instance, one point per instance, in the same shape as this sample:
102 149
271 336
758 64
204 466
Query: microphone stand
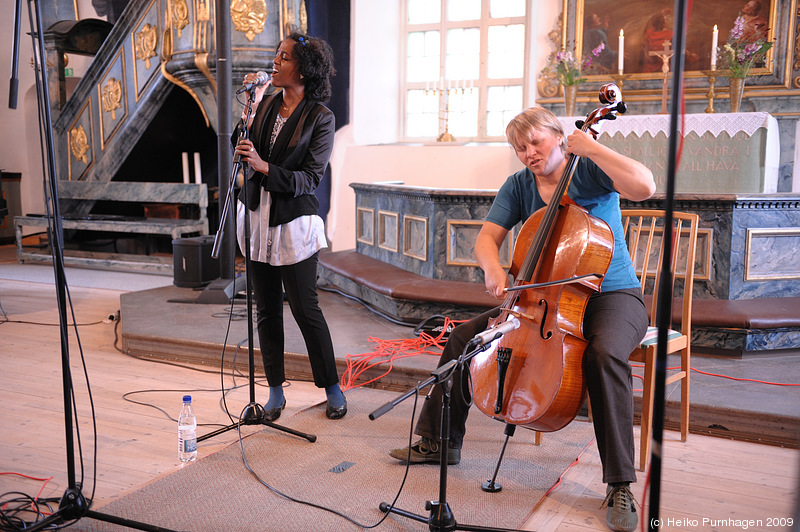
441 517
665 287
73 505
254 412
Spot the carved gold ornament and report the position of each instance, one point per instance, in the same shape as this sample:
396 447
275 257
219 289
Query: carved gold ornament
146 41
112 96
180 15
548 81
249 16
796 66
79 144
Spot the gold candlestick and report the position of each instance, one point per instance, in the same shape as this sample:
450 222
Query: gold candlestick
444 101
619 79
712 80
446 136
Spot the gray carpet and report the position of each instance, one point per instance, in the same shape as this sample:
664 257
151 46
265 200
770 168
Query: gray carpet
348 469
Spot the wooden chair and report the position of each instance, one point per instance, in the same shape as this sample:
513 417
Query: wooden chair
643 232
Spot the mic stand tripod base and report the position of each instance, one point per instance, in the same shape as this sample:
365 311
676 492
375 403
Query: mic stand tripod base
254 415
441 517
73 506
491 486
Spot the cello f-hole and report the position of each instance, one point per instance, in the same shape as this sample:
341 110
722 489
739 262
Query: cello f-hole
545 335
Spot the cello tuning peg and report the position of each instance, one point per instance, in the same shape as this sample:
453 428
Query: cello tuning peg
579 124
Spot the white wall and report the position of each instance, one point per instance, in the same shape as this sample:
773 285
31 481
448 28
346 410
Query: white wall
19 138
434 166
20 145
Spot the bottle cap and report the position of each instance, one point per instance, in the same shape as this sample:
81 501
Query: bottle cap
187 398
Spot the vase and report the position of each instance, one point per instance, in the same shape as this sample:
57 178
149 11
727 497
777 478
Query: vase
737 89
570 94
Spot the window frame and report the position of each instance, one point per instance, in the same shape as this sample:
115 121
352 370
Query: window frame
481 84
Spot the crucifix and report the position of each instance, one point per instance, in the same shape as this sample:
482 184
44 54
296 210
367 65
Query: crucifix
665 56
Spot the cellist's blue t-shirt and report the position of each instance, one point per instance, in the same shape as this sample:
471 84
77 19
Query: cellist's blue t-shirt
590 188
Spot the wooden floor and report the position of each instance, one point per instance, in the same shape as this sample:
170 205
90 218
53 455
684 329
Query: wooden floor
708 483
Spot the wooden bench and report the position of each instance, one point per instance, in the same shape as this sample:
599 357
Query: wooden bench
76 199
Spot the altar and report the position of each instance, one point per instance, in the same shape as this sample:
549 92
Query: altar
722 152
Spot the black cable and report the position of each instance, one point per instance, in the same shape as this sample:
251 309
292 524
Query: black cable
14 512
25 322
367 306
325 508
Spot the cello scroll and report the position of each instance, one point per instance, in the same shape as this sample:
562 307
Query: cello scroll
611 97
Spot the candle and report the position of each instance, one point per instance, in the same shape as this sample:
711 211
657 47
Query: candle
198 177
621 57
185 161
714 42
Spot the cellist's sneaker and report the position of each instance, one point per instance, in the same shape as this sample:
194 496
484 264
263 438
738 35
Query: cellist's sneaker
425 451
621 516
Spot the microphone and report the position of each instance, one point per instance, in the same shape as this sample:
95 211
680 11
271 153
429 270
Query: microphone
262 78
495 332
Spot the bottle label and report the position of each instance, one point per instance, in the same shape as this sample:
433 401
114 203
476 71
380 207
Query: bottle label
187 439
189 445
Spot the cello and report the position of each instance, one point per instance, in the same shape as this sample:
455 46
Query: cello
532 376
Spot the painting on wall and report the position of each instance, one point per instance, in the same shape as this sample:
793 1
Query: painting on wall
648 24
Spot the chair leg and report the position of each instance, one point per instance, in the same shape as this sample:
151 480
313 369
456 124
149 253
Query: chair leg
686 357
647 410
491 485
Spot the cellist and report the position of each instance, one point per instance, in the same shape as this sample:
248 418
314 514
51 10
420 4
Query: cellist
615 319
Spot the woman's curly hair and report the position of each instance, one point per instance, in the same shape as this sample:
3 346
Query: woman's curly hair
315 63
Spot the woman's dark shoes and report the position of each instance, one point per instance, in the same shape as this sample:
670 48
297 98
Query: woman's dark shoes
336 412
274 413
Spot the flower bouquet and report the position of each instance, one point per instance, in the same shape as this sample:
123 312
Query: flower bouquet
569 70
743 49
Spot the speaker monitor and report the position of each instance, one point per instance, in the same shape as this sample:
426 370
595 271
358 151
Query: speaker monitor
193 266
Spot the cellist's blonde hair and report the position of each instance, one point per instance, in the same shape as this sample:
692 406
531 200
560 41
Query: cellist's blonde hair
520 129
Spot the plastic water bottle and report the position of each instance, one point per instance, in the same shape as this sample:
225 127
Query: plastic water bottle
187 432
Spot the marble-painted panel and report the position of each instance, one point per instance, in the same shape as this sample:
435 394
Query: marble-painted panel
462 214
764 340
112 99
714 338
739 341
365 225
772 216
389 207
146 46
415 237
771 253
388 230
79 140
